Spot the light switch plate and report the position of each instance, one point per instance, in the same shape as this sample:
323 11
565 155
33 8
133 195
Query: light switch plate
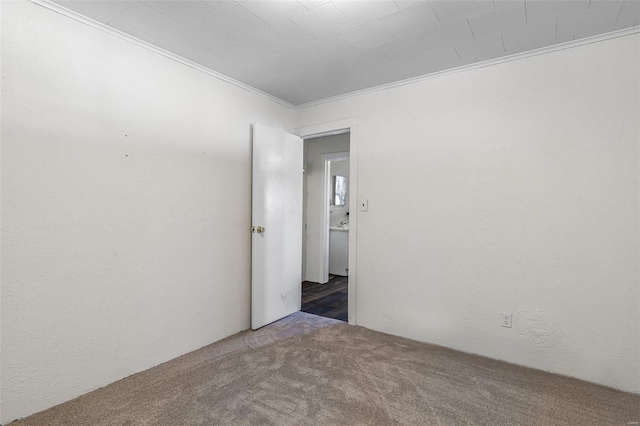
364 204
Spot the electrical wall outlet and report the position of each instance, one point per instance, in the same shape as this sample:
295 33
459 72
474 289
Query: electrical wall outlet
507 318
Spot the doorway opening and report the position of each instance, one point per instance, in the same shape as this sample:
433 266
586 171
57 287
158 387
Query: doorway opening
326 212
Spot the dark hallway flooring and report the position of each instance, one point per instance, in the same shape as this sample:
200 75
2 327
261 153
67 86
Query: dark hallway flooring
327 300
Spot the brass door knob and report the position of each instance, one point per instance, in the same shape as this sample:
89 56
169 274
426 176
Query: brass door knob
260 229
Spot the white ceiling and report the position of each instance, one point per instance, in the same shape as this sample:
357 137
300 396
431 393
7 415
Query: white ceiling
306 50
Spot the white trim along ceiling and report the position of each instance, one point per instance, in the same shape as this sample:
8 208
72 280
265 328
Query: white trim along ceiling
301 53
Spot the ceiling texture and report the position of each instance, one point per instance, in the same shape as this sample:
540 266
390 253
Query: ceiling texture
306 50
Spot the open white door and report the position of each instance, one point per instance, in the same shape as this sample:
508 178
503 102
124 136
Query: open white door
276 247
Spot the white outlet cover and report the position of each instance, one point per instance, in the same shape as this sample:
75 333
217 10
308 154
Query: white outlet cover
507 319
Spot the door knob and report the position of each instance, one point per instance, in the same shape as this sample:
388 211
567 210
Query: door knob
259 229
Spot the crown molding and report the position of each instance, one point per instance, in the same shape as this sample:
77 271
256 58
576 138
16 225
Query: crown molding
476 65
102 27
517 56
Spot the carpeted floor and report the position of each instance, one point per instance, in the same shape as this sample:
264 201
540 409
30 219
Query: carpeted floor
308 370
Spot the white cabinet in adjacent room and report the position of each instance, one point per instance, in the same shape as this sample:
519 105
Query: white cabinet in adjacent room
339 251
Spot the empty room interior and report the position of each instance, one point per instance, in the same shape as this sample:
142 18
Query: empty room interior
183 182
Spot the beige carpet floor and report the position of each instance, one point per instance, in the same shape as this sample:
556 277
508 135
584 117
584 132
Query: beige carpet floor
308 370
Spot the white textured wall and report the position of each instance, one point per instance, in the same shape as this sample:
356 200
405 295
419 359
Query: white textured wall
125 208
313 151
507 188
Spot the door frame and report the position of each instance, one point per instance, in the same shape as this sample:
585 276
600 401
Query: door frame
323 264
336 128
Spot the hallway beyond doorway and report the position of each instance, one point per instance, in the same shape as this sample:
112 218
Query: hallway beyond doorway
327 300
